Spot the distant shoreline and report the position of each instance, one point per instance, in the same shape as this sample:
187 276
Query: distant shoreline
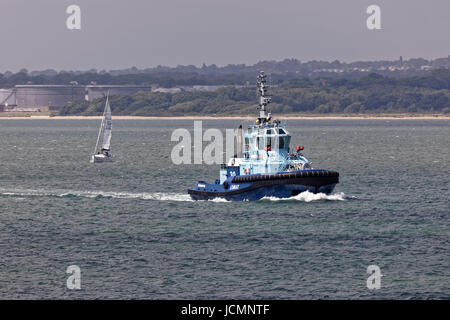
237 117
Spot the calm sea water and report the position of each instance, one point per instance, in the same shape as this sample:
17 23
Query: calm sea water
131 228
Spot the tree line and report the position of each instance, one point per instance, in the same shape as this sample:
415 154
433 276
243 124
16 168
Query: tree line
373 93
281 71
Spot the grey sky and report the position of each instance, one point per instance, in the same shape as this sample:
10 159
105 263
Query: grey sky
146 33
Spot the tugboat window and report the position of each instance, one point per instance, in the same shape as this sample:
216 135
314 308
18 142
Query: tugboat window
281 131
260 142
246 147
270 142
283 142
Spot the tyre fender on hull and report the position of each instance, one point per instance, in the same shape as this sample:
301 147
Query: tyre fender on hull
278 176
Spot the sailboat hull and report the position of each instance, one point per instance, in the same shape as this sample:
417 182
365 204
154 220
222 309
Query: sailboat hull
99 158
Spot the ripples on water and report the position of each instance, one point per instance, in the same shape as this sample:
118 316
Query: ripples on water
135 233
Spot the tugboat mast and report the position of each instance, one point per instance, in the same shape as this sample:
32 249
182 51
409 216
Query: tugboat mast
264 98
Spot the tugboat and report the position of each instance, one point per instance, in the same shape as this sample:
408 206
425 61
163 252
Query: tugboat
265 165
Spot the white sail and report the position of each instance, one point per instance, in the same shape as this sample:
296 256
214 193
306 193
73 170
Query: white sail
107 123
104 135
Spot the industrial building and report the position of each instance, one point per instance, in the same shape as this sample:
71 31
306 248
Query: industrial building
7 97
47 95
41 97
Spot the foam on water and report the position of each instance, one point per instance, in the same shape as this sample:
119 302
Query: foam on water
158 196
307 196
96 194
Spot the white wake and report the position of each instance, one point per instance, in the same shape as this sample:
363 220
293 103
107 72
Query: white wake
307 196
96 194
157 196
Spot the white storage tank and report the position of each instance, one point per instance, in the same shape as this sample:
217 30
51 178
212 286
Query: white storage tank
7 97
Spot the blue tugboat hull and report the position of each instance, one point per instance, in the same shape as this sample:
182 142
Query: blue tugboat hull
280 191
256 187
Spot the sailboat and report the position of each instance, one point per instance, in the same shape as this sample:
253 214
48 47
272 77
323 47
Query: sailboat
102 148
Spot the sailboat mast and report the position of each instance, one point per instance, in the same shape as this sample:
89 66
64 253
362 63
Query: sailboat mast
101 126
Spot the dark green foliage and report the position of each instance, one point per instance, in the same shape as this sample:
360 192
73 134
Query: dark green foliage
292 92
370 94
